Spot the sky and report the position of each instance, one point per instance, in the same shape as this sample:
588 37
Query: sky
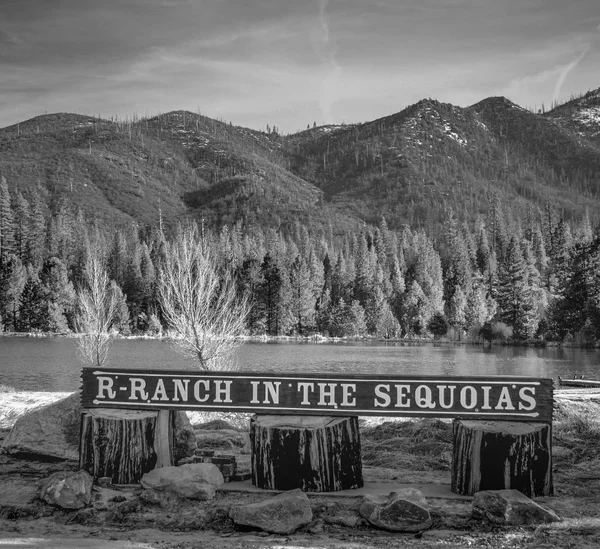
290 63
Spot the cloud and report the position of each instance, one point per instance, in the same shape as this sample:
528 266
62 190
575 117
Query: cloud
570 66
333 69
565 72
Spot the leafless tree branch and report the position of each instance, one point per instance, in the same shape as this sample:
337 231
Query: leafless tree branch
200 305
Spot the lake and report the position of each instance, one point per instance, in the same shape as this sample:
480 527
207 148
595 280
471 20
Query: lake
51 364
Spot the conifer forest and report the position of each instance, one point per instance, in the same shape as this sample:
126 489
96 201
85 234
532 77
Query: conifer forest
500 277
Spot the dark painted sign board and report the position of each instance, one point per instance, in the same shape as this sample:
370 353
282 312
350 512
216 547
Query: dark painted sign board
512 398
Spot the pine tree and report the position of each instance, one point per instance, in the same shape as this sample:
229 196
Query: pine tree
37 230
250 280
59 292
21 225
269 293
12 281
514 293
6 222
302 297
32 303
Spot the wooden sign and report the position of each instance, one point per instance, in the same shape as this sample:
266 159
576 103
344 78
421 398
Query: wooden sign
495 397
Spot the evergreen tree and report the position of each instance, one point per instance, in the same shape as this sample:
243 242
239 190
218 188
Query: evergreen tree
458 309
59 294
514 293
6 222
302 297
37 230
12 281
32 303
269 294
21 226
250 281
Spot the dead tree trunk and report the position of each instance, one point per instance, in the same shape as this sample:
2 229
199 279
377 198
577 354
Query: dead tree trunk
125 444
502 455
314 453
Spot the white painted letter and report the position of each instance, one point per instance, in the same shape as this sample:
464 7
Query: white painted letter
527 398
327 394
160 388
222 392
197 396
255 385
346 394
305 386
486 397
137 385
442 397
402 400
504 402
472 397
181 389
105 384
379 393
272 388
424 397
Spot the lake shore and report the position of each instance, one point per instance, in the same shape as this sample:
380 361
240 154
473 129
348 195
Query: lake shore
318 338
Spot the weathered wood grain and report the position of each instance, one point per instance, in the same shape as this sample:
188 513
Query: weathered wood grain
125 444
314 453
502 455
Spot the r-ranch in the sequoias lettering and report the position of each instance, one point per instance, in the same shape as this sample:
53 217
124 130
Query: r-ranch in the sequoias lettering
514 398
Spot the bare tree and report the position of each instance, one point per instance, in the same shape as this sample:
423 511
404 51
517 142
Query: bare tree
96 308
200 304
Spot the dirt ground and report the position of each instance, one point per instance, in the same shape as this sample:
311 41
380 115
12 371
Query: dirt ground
402 451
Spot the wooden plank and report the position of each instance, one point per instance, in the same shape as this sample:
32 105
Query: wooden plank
510 398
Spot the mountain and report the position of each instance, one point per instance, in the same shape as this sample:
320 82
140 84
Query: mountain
408 167
580 115
412 165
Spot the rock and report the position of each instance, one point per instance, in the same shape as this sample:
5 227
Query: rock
185 437
510 507
193 480
403 511
67 489
282 514
51 430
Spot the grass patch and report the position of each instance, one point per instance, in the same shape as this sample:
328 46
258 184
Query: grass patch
423 445
577 427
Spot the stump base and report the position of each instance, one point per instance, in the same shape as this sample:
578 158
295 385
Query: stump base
502 455
125 444
313 453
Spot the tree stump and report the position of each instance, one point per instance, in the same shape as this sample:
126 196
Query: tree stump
125 444
313 453
502 455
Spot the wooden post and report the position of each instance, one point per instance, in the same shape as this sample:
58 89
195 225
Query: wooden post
502 455
125 444
314 453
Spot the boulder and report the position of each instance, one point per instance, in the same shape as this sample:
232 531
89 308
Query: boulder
53 431
194 480
510 507
281 514
402 511
67 489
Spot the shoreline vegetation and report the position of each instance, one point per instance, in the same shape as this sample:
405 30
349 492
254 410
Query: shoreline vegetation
319 338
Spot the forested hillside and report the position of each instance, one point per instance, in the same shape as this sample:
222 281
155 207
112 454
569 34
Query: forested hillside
479 221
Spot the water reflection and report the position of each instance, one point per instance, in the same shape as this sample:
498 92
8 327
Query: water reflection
52 364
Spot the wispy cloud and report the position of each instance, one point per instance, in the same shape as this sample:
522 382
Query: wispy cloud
565 72
327 50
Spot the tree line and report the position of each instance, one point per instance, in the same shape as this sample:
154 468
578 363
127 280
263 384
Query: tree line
537 277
